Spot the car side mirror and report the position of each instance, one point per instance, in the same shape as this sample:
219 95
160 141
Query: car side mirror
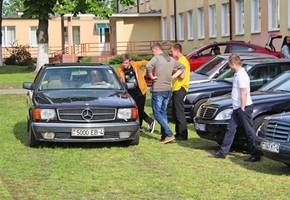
28 85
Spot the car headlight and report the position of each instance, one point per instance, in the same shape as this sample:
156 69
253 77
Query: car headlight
127 113
225 114
43 114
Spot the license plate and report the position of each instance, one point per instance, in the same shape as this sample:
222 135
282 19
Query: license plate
199 127
87 132
270 146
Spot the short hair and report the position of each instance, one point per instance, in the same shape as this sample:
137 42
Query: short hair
177 46
158 46
216 48
126 56
234 59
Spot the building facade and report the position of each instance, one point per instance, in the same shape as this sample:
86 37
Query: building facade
135 28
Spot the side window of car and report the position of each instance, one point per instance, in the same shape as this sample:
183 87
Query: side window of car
263 74
285 67
239 48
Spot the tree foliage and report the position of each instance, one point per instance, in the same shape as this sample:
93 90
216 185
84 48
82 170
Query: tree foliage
11 7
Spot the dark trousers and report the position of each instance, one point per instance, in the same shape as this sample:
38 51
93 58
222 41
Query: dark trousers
178 114
245 119
140 100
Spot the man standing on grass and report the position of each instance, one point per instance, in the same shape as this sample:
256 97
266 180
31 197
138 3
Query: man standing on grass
242 113
179 90
163 66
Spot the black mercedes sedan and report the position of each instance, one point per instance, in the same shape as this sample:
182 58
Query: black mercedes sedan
80 102
213 116
260 72
273 137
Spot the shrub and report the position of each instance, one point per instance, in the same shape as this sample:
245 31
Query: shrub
19 55
86 60
134 57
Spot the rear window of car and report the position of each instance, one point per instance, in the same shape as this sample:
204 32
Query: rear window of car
238 48
208 67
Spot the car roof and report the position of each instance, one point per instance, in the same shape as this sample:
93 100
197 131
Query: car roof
247 55
262 61
75 64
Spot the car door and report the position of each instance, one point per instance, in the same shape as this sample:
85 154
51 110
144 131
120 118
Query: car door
204 55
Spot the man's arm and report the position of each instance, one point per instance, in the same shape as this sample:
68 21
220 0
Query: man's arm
244 94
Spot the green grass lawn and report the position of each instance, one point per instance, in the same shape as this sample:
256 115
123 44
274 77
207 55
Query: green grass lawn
177 170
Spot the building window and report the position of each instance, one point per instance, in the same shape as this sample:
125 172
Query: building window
8 36
141 1
225 21
239 17
212 21
75 35
190 25
164 29
273 14
33 37
256 16
172 27
200 22
181 26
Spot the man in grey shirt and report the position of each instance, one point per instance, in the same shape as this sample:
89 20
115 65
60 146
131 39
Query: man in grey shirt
165 70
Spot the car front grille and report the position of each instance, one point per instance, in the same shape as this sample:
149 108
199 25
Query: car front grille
207 112
86 114
278 130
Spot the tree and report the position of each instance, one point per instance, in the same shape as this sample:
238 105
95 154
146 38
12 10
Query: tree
11 7
42 9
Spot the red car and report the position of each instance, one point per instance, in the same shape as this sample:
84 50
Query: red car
205 53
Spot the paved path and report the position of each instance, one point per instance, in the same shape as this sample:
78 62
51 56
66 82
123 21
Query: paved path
13 91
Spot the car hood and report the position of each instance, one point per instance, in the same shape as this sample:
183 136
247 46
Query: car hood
208 86
284 116
195 77
258 97
84 97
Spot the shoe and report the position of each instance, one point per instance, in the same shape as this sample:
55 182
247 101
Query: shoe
217 154
168 139
151 127
180 138
252 159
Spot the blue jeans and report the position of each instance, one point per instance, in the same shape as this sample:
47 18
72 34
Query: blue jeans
159 107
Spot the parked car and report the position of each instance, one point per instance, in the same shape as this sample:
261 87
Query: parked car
213 116
273 137
61 108
201 55
218 65
260 72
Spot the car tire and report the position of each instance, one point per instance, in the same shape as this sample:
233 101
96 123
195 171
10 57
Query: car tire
197 105
136 139
258 122
32 142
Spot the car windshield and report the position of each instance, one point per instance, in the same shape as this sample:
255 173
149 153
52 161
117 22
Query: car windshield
210 67
228 75
79 78
280 83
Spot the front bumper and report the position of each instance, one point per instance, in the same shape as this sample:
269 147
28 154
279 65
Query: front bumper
215 130
282 156
113 132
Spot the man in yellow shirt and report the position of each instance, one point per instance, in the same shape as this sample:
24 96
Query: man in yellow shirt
179 89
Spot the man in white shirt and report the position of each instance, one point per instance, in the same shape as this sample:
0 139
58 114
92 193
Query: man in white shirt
242 112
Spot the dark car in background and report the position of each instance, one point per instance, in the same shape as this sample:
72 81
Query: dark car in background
219 64
213 116
259 71
273 137
201 55
64 106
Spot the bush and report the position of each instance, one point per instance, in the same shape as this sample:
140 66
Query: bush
19 55
86 60
135 57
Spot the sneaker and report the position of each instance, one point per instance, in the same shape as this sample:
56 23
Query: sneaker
151 127
168 139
